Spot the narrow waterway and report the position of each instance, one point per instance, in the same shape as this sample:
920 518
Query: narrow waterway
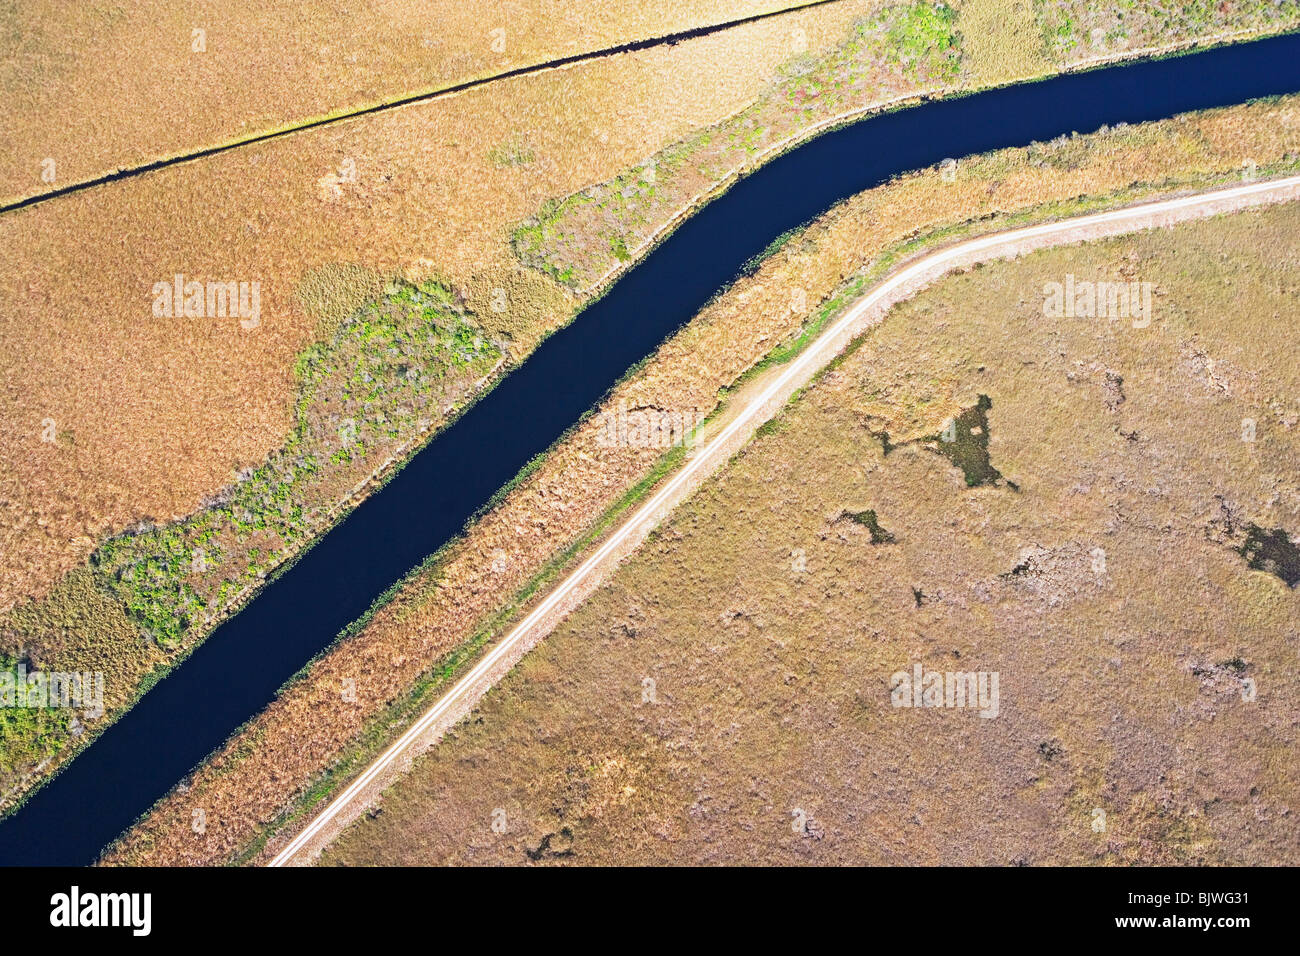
235 673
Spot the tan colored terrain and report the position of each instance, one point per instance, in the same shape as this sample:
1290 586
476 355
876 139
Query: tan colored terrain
1003 39
116 420
260 772
101 86
125 431
726 698
154 414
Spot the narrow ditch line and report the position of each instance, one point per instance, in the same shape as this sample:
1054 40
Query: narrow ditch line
633 46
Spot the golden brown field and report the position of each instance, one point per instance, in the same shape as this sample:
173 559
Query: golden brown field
726 698
122 428
280 760
151 415
96 87
154 461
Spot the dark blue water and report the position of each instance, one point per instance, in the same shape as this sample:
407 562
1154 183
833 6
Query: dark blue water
236 672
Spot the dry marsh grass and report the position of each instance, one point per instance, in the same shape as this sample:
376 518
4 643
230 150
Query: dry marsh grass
309 728
157 418
159 413
1153 689
96 87
1003 39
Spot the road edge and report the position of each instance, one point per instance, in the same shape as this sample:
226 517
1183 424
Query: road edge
708 458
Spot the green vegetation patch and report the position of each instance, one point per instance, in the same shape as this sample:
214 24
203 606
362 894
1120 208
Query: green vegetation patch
28 735
922 37
869 521
388 372
905 48
964 441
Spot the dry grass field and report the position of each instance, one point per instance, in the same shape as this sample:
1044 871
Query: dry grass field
726 698
100 86
1003 40
902 50
156 456
294 753
124 423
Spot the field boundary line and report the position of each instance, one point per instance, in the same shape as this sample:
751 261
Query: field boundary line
424 96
